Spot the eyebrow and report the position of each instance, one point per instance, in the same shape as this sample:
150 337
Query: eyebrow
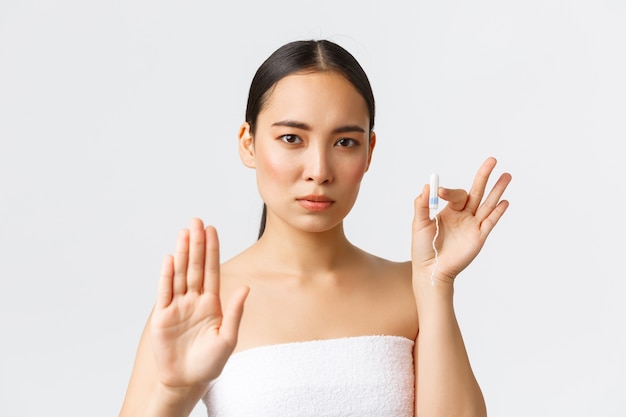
304 126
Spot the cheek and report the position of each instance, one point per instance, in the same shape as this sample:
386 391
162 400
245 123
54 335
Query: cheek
354 172
273 166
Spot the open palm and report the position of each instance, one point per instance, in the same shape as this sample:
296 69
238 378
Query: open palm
191 337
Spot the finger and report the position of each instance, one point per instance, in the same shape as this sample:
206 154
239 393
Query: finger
480 183
181 259
195 270
487 225
494 197
212 261
232 316
456 198
165 292
421 215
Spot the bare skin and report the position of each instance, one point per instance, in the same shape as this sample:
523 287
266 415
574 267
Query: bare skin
187 320
445 383
303 280
325 303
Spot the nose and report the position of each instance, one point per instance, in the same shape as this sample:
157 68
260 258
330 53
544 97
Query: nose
318 167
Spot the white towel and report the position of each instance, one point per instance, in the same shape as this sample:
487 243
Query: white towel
364 376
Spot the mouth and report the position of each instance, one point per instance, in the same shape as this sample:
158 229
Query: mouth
315 202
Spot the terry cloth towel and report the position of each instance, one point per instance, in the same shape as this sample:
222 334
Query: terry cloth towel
364 376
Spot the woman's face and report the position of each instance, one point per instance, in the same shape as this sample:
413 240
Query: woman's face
311 148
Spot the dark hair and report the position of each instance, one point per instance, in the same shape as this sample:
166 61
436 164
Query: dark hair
298 56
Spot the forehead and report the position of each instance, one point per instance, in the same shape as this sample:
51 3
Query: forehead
311 95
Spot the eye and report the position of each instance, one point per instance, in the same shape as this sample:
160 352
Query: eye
291 139
347 142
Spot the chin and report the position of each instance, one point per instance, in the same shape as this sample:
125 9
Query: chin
319 226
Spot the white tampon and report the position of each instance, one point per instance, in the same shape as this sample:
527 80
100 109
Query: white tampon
433 200
433 205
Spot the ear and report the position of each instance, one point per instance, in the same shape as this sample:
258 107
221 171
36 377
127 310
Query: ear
246 146
372 144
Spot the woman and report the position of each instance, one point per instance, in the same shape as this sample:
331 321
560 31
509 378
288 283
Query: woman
328 328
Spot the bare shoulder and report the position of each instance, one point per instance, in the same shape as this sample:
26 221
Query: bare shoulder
235 271
362 294
393 302
388 269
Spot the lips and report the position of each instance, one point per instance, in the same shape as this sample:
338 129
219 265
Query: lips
315 202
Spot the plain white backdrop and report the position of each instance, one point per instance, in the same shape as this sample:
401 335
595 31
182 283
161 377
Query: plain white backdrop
118 123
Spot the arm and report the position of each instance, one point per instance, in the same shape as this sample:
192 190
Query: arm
445 383
187 340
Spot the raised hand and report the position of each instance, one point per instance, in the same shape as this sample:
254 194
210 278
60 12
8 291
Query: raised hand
464 224
191 338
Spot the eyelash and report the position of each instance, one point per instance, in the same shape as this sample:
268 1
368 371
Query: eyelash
287 138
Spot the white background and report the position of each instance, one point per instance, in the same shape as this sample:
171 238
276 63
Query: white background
118 123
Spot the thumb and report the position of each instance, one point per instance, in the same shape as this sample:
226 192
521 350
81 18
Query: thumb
421 216
232 316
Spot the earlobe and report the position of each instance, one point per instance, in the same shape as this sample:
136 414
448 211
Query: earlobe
246 146
372 144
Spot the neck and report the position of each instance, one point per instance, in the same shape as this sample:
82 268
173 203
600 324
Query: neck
304 252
